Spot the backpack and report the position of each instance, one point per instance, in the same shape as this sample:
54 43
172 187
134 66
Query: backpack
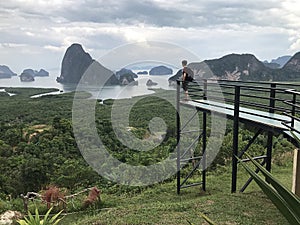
189 73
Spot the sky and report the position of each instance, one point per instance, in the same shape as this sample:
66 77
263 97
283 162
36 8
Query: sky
36 33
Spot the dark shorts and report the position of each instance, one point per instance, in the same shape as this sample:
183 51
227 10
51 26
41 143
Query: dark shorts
185 85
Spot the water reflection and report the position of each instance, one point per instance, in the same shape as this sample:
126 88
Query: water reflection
114 92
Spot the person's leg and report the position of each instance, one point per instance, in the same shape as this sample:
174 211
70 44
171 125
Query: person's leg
186 93
184 87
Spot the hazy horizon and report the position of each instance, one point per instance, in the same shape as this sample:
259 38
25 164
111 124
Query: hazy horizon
134 67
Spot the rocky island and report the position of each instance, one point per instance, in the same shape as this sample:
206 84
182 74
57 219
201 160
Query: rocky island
143 72
151 83
160 70
126 76
76 62
26 77
5 72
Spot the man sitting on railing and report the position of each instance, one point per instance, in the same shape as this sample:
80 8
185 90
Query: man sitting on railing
187 76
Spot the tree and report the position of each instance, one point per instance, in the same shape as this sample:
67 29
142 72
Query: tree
5 149
13 136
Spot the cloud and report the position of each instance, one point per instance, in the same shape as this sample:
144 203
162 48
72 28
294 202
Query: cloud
146 51
296 45
210 29
160 13
193 13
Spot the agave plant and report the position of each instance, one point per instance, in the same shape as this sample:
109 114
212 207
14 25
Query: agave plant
36 220
285 200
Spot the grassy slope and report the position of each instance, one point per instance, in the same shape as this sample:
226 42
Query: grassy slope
161 205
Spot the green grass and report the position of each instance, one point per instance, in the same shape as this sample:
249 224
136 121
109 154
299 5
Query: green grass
161 205
158 204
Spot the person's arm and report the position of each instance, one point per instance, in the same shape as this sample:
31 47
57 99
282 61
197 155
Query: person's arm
183 74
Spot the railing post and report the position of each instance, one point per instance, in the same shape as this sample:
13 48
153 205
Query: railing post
235 137
205 89
272 98
178 134
204 140
270 134
293 109
204 121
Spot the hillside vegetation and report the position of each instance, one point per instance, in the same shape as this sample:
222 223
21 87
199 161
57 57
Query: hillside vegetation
38 149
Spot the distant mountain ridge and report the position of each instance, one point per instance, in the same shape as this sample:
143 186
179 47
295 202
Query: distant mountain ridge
244 67
291 70
282 60
278 63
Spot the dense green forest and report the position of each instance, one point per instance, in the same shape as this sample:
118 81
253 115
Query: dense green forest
37 145
38 148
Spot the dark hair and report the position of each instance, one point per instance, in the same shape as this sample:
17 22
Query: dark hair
184 62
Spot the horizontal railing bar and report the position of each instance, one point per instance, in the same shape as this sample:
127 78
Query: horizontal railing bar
222 92
263 89
232 100
252 113
244 87
256 88
218 81
288 102
195 89
253 89
196 93
263 97
291 128
266 90
292 91
256 82
293 117
255 96
211 97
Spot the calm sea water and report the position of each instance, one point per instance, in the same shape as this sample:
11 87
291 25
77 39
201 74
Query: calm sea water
115 92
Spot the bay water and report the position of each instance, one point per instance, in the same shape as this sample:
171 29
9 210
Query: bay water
107 92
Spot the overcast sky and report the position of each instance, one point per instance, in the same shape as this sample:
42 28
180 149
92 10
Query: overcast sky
36 33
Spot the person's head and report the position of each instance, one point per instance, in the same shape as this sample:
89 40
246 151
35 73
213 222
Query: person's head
184 62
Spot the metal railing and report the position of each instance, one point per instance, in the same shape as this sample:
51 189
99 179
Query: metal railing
273 97
277 101
294 124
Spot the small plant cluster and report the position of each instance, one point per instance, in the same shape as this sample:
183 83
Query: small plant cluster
94 195
53 195
36 219
57 198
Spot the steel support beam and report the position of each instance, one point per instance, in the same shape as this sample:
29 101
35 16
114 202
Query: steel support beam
235 138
